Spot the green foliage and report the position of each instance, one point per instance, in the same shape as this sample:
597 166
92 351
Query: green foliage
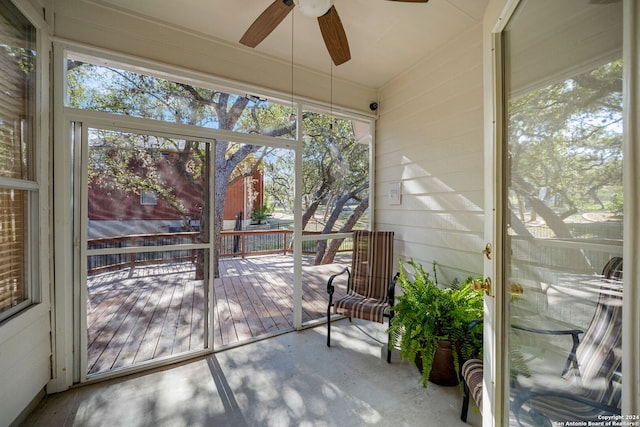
334 163
261 212
565 139
616 205
518 363
426 313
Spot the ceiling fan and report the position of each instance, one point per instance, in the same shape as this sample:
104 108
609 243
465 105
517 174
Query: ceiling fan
330 24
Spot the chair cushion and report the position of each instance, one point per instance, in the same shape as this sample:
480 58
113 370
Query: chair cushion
372 264
357 306
598 354
371 274
472 374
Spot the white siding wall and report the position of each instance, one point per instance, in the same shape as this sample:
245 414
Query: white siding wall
430 138
25 349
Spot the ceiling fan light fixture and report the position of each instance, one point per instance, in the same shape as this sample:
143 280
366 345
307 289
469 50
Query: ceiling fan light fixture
314 8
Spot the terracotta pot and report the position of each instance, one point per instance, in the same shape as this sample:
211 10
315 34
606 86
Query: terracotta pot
442 371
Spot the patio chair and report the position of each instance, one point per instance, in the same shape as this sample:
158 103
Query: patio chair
594 379
472 378
472 373
592 376
370 285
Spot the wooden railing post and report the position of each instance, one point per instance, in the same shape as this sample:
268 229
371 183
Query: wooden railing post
132 260
284 243
242 243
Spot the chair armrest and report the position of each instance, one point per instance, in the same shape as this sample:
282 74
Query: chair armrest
473 324
574 332
392 290
331 288
529 394
571 360
477 335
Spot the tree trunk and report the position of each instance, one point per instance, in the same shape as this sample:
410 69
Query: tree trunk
348 226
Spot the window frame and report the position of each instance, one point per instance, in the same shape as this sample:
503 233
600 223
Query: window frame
148 198
30 182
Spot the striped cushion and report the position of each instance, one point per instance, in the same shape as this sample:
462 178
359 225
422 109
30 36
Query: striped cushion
371 273
472 374
361 308
558 409
599 353
598 376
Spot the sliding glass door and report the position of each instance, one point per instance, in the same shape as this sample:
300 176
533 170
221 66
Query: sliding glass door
145 222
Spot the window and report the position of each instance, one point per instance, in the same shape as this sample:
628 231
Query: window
335 173
121 89
18 187
336 148
148 198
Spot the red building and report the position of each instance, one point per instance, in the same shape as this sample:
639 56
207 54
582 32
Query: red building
108 202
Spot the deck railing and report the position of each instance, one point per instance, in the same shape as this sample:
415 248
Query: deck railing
127 259
256 242
233 244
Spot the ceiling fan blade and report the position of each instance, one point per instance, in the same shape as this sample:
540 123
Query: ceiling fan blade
334 36
266 22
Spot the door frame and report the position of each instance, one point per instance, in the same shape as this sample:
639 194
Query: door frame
495 406
497 15
631 191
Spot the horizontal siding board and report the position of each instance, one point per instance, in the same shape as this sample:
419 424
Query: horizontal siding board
470 222
444 99
33 338
464 264
26 383
444 182
438 68
24 365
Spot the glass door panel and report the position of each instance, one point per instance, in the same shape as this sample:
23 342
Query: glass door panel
254 210
336 156
146 248
563 220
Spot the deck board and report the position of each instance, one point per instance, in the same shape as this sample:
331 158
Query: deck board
158 307
185 318
134 336
104 343
156 311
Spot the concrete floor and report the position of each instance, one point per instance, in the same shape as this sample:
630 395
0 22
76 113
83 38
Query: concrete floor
289 380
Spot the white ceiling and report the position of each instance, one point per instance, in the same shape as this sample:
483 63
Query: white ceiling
385 37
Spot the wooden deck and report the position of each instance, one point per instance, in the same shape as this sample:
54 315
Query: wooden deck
149 312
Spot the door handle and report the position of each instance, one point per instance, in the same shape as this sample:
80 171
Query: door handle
516 289
487 250
479 285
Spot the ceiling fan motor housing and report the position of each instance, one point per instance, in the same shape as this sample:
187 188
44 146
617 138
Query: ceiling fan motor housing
313 8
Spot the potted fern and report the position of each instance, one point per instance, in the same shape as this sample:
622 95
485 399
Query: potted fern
432 322
260 213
